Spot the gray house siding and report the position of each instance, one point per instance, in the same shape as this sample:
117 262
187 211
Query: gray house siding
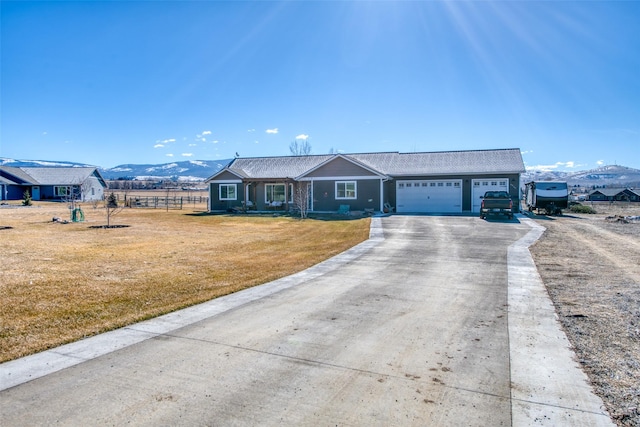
376 176
86 184
514 190
339 167
325 198
215 204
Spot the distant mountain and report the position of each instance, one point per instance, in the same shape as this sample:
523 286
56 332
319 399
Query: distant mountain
191 170
40 163
612 175
199 170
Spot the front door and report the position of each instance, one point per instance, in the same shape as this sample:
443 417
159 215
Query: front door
35 190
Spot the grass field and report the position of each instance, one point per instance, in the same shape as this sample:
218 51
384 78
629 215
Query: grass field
60 282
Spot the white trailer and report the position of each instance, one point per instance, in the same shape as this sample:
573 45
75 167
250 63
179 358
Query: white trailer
550 196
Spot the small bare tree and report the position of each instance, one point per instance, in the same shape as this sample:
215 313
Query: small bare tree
301 194
112 207
300 147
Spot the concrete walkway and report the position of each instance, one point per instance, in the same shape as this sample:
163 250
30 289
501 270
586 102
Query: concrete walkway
394 347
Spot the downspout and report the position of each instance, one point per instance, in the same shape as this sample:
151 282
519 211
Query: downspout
381 195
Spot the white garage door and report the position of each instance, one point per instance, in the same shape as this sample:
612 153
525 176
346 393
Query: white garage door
481 186
429 196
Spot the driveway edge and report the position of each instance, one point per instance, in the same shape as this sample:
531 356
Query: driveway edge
25 369
548 387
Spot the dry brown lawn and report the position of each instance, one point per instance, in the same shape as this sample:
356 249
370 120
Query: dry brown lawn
591 268
62 282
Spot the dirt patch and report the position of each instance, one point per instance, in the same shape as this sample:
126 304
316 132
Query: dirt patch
591 268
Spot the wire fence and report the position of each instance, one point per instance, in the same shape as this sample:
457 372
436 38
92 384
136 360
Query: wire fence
159 202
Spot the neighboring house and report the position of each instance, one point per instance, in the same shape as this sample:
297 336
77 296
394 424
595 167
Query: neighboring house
52 183
433 182
614 194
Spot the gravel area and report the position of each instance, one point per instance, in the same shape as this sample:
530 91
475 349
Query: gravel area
590 265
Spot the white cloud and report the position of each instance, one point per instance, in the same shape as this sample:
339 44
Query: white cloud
526 152
158 146
193 145
600 162
166 141
302 136
206 132
187 154
564 165
169 155
274 130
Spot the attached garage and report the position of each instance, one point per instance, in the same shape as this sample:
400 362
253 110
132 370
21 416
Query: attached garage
481 186
429 196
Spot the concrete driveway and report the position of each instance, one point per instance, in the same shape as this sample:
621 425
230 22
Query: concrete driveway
424 324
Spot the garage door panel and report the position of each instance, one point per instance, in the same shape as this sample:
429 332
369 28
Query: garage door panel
481 186
429 196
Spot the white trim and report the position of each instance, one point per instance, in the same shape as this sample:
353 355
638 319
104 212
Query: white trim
434 202
341 178
345 182
331 159
235 192
226 181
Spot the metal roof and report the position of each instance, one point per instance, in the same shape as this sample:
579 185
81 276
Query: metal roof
445 162
276 167
391 163
17 175
52 175
613 191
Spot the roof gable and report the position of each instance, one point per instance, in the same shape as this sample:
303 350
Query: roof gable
393 164
53 175
340 165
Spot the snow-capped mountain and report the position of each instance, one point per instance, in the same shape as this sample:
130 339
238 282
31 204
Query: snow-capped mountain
192 170
612 175
199 170
41 163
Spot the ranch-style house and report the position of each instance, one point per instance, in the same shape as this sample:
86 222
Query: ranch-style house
52 183
427 182
614 195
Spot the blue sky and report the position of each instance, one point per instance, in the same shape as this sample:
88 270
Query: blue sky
108 83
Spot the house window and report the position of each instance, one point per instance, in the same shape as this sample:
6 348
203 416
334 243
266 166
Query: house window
400 185
274 193
227 192
61 191
346 190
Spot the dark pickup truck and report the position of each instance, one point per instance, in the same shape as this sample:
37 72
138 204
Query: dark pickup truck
496 203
